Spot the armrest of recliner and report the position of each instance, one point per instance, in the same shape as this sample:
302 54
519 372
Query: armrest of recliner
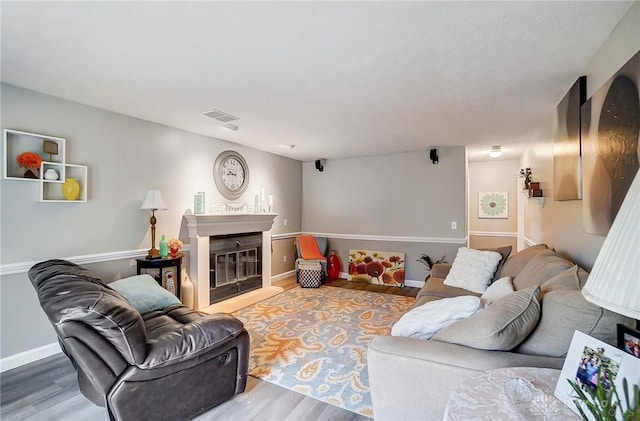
191 339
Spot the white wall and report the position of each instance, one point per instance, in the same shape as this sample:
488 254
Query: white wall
559 224
399 202
125 156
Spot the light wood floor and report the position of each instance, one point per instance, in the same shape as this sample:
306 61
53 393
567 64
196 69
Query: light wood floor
47 390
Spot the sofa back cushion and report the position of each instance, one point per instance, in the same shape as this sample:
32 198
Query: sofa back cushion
563 312
543 266
501 326
504 251
514 264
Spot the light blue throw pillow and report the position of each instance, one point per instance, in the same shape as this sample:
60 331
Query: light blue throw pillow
144 293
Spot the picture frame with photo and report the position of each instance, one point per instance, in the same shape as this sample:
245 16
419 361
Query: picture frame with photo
590 361
629 340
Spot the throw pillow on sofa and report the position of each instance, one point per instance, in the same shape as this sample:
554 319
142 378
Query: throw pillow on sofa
565 311
424 321
500 288
573 278
144 293
501 326
473 269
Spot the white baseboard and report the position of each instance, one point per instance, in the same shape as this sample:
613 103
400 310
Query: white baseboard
415 284
23 358
283 275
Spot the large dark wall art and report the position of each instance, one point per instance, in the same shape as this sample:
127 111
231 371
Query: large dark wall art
610 146
567 169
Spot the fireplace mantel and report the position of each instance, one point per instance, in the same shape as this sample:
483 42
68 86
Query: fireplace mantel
201 227
220 224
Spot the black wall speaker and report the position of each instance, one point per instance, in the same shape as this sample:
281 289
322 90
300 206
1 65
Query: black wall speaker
433 155
319 165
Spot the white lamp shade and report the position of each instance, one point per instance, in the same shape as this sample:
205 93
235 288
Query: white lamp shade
153 201
614 282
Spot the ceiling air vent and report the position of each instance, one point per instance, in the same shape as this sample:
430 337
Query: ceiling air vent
220 116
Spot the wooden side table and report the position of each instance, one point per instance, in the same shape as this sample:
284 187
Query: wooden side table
492 395
159 267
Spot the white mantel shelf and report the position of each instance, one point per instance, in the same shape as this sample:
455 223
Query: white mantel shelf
201 227
206 225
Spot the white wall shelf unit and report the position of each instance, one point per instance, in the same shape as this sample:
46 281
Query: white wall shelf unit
51 190
16 142
57 167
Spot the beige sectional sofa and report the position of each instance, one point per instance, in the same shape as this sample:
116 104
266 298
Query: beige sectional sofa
411 379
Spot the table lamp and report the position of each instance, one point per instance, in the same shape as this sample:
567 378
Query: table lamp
153 202
614 282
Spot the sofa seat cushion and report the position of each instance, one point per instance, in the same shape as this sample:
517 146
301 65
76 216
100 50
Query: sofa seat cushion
563 312
435 287
542 267
501 326
473 269
144 293
424 321
514 264
425 299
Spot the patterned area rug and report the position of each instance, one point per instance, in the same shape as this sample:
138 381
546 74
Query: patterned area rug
314 341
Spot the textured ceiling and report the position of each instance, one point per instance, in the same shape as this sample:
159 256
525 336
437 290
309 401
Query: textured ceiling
336 79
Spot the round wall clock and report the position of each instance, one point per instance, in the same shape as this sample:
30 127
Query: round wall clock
231 174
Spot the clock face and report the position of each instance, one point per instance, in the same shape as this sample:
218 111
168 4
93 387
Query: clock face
231 174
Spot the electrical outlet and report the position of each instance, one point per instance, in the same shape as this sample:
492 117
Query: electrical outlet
284 222
454 225
284 259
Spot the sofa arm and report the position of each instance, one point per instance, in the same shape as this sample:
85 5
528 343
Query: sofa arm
440 270
191 339
412 379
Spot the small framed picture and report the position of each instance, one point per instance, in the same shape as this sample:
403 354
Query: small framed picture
590 362
629 340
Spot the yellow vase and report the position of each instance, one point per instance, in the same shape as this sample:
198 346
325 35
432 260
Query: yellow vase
70 189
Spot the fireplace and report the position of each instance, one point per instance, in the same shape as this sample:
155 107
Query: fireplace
235 265
245 267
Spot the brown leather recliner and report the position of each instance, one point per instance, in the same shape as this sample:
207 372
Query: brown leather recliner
164 365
